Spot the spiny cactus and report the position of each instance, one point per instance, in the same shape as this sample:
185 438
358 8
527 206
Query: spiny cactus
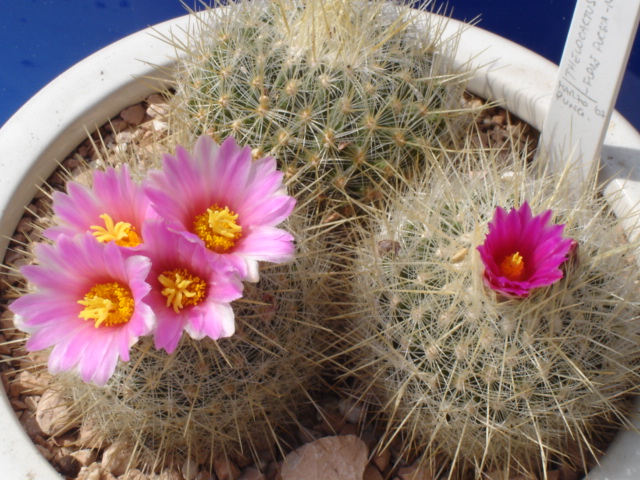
346 92
231 398
449 367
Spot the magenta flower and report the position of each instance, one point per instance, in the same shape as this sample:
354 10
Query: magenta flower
522 252
113 210
88 305
189 291
222 199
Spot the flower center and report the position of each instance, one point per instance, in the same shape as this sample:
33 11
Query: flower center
107 304
123 233
181 288
512 267
218 228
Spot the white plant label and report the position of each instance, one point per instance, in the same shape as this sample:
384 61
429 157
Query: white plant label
593 63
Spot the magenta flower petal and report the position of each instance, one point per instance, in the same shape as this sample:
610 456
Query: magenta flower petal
114 194
522 251
221 199
191 288
94 313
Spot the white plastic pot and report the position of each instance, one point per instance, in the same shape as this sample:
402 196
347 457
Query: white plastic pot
55 121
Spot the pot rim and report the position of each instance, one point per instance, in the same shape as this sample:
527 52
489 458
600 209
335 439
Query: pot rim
75 103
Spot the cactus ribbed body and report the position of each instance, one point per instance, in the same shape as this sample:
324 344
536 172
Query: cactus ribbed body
491 382
343 93
213 399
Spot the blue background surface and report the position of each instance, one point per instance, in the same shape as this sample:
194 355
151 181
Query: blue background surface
39 39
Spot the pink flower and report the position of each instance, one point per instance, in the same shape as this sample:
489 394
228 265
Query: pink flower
88 305
218 197
112 210
522 252
189 291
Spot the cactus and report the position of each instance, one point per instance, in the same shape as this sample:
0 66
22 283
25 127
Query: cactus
345 94
231 398
448 367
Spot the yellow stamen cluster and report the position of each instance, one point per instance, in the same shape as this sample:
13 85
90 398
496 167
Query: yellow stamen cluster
218 228
512 267
123 233
182 288
107 304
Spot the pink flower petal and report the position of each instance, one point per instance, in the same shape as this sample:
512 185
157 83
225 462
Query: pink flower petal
169 329
225 176
171 251
51 313
268 213
267 243
113 193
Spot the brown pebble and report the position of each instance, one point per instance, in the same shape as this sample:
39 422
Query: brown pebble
349 429
204 475
53 414
5 348
116 458
155 98
85 150
416 471
306 435
30 424
568 473
170 474
117 125
71 163
133 115
14 259
85 456
332 423
31 402
18 404
252 474
242 460
93 472
382 459
189 469
90 436
372 473
59 178
25 225
225 469
273 471
506 475
134 474
322 458
68 465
